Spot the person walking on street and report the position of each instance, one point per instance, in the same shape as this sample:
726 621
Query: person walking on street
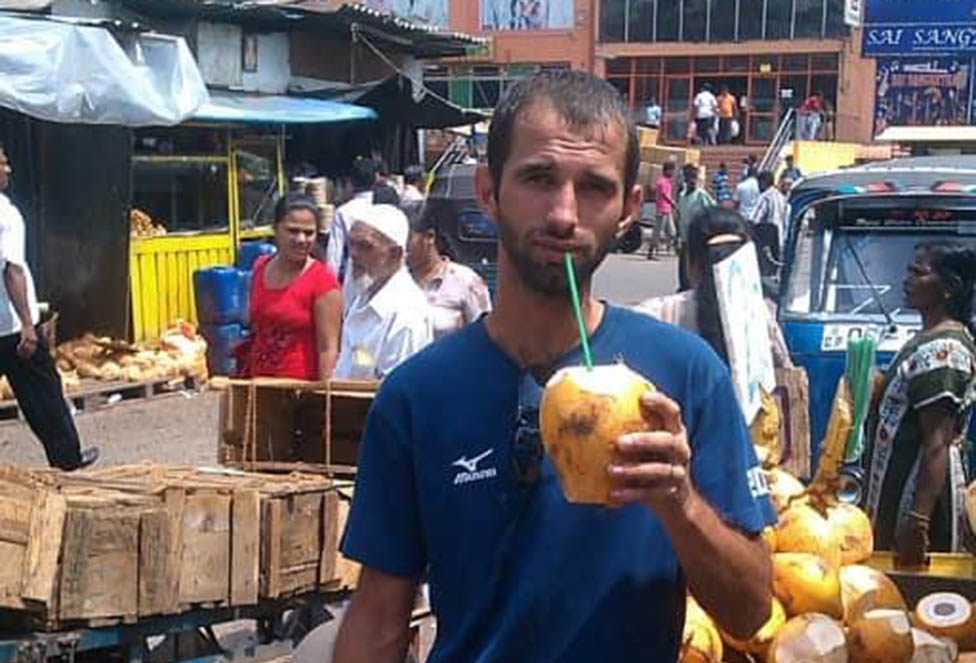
771 215
706 109
721 186
790 169
413 185
664 227
747 195
25 357
694 200
453 482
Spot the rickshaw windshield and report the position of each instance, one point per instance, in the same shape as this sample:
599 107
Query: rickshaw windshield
851 255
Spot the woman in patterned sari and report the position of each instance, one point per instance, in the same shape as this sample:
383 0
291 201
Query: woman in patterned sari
916 477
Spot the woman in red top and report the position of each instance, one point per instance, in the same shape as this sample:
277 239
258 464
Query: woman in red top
296 302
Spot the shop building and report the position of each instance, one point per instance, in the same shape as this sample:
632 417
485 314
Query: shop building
771 54
925 54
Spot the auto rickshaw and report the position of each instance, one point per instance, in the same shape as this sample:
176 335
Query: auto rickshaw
852 233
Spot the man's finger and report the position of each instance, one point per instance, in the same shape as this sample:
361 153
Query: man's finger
647 475
654 404
657 445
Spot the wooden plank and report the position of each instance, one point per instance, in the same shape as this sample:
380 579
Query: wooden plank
14 521
330 537
205 569
172 291
150 312
301 529
135 296
185 284
44 546
74 559
160 555
271 556
245 551
12 574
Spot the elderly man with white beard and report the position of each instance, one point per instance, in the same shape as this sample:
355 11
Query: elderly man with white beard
389 319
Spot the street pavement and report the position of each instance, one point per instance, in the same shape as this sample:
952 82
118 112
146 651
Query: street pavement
629 279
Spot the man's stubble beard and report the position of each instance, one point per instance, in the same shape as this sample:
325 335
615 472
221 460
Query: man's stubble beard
546 278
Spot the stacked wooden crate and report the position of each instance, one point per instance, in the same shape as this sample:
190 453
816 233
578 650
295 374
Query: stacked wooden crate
135 541
269 424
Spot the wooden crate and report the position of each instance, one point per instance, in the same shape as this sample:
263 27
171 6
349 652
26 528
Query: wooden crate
270 424
136 541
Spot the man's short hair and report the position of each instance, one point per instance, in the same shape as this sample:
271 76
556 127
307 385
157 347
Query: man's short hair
413 175
766 179
581 99
363 174
668 167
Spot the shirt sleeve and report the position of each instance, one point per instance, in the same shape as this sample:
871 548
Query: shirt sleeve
324 280
940 369
477 299
384 529
335 250
724 465
11 241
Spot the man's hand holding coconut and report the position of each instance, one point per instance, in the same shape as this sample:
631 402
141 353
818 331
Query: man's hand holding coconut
648 484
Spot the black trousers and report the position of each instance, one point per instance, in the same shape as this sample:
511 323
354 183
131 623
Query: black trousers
37 386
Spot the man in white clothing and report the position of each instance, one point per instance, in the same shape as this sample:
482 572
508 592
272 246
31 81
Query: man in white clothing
25 358
706 110
413 185
363 178
389 320
746 195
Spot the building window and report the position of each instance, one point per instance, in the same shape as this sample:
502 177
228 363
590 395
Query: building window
720 20
766 87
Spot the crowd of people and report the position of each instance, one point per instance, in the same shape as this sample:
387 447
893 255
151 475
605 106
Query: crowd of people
358 301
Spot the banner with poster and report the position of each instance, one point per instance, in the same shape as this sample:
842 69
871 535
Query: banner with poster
926 91
743 312
526 14
434 12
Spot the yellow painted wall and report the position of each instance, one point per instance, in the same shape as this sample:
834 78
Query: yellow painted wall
812 156
161 277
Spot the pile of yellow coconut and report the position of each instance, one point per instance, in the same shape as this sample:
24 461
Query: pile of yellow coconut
827 606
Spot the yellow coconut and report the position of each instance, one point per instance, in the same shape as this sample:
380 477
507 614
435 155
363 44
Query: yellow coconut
881 636
810 638
700 640
761 639
801 528
864 588
853 528
949 615
783 487
581 415
806 583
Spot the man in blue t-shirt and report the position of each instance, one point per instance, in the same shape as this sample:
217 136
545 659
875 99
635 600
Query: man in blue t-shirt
453 480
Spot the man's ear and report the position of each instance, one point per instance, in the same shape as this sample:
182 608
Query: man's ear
484 185
631 210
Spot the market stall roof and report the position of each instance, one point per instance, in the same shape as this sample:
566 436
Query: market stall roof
96 72
400 99
278 109
928 135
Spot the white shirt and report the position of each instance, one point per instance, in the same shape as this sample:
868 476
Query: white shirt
380 332
411 194
706 105
337 251
747 195
12 244
773 207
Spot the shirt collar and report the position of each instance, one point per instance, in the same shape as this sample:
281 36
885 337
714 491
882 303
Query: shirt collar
390 296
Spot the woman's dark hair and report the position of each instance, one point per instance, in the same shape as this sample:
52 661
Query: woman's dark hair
385 194
956 266
422 220
296 201
707 225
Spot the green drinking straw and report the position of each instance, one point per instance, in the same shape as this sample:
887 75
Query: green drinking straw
577 309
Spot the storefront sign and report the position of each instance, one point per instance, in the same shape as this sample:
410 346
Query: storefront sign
853 10
920 39
925 91
526 14
919 11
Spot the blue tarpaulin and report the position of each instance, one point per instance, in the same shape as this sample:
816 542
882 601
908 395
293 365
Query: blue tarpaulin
278 109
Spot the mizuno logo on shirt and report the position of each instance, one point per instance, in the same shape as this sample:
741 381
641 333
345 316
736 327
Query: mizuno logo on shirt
758 485
470 471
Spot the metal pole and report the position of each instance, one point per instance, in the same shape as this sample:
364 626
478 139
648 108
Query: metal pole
736 35
708 20
681 20
765 11
626 20
823 21
654 27
793 20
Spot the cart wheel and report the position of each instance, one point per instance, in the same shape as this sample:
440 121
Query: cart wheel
297 622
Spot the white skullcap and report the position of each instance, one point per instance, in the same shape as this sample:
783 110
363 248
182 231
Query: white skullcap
387 220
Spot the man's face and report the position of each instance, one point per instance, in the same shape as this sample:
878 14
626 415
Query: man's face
5 171
374 256
561 190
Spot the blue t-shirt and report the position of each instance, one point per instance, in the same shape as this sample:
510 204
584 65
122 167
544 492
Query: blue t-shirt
517 573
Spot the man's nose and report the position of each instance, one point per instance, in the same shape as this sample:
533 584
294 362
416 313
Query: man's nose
564 213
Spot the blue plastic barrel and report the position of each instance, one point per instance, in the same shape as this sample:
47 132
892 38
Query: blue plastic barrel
221 341
221 295
251 251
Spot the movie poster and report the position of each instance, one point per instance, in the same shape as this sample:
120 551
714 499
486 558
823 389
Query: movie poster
434 12
526 14
922 91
